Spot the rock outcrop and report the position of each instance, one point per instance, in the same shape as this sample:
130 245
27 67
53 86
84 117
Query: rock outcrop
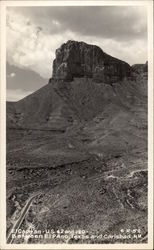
78 59
140 68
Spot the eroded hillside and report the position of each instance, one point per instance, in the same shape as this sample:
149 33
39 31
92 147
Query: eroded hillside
82 143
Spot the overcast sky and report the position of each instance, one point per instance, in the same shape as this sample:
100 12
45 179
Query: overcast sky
34 33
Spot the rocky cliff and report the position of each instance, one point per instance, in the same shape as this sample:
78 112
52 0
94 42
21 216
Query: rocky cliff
79 59
140 68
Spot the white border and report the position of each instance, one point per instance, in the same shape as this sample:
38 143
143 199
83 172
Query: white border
3 4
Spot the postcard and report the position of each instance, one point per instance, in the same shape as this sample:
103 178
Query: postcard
76 125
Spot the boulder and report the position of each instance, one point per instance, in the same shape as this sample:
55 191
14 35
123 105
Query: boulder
79 59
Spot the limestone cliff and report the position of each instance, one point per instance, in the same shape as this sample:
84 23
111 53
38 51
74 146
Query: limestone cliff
79 59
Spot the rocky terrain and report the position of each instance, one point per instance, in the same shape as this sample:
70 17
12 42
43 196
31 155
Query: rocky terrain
81 141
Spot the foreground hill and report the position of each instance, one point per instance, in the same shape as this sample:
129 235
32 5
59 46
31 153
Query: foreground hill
82 141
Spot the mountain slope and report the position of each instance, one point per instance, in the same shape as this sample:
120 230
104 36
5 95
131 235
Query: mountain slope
82 143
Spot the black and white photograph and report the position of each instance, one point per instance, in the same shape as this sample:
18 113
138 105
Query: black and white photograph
77 125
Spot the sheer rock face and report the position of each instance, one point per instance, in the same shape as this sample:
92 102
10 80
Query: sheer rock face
78 59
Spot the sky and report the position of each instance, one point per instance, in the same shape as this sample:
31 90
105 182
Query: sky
34 33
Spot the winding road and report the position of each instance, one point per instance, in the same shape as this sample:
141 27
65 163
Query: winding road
18 223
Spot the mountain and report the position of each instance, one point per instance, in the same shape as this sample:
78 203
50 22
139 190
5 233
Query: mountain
81 92
81 141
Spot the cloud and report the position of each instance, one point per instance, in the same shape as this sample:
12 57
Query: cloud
16 95
116 22
11 75
29 47
36 32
